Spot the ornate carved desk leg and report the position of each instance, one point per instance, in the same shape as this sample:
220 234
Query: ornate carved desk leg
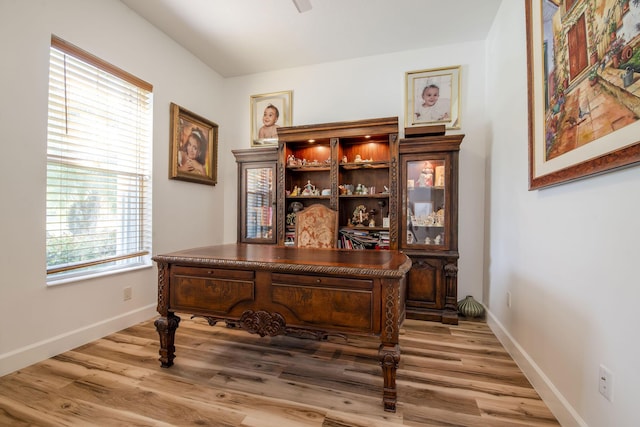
389 350
389 358
166 327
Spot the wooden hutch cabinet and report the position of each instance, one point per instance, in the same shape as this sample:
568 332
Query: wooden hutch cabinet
429 225
389 194
351 167
257 211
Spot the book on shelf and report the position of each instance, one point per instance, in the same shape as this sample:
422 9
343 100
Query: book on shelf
363 239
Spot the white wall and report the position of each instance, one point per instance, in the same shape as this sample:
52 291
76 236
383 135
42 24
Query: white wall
40 321
567 254
374 87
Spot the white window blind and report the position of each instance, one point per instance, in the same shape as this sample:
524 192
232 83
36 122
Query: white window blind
98 166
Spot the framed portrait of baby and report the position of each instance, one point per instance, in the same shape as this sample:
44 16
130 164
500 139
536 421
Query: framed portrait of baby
432 97
193 147
269 111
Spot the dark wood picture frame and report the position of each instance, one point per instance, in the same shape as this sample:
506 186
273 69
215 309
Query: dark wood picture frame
562 91
189 130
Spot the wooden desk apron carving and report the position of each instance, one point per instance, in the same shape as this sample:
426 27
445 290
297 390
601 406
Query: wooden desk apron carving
273 290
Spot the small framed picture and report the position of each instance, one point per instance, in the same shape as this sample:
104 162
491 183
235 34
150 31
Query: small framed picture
193 147
433 97
269 111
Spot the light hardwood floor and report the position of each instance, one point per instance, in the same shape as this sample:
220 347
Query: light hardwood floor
448 376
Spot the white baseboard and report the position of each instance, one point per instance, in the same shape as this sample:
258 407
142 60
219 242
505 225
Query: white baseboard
561 409
37 352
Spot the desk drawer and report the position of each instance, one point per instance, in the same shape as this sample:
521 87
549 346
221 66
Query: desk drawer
327 302
328 281
210 290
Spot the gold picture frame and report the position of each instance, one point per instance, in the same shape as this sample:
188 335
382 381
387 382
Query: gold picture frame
272 105
193 154
574 93
432 97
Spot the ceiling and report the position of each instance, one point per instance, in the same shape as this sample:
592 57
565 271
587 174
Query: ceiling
240 37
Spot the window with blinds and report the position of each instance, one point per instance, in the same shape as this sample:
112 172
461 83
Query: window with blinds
98 166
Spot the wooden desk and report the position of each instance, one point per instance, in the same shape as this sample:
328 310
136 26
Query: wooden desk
273 290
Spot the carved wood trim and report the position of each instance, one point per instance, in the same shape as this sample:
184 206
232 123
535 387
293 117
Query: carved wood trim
263 323
395 191
278 267
281 210
451 286
163 288
333 178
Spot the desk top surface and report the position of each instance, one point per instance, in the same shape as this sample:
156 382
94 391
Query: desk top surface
381 263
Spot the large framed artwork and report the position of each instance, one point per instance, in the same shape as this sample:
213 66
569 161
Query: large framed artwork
432 97
269 111
193 154
583 88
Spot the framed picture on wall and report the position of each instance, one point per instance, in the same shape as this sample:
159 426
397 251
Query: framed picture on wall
583 78
193 147
269 111
432 97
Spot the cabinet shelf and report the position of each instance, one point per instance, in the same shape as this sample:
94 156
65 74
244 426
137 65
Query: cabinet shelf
322 168
365 165
308 197
365 196
364 228
431 187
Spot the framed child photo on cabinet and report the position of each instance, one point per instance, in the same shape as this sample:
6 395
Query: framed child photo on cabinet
432 97
269 111
193 147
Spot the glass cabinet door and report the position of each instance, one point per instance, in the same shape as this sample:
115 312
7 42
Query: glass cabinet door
425 202
259 205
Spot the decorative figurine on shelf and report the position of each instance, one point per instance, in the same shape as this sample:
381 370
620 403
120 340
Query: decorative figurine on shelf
372 219
291 160
426 176
344 159
309 189
361 189
296 207
360 215
437 240
358 158
427 240
439 181
295 191
291 219
440 216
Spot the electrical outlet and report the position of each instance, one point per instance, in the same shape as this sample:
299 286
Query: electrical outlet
127 293
508 299
605 383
